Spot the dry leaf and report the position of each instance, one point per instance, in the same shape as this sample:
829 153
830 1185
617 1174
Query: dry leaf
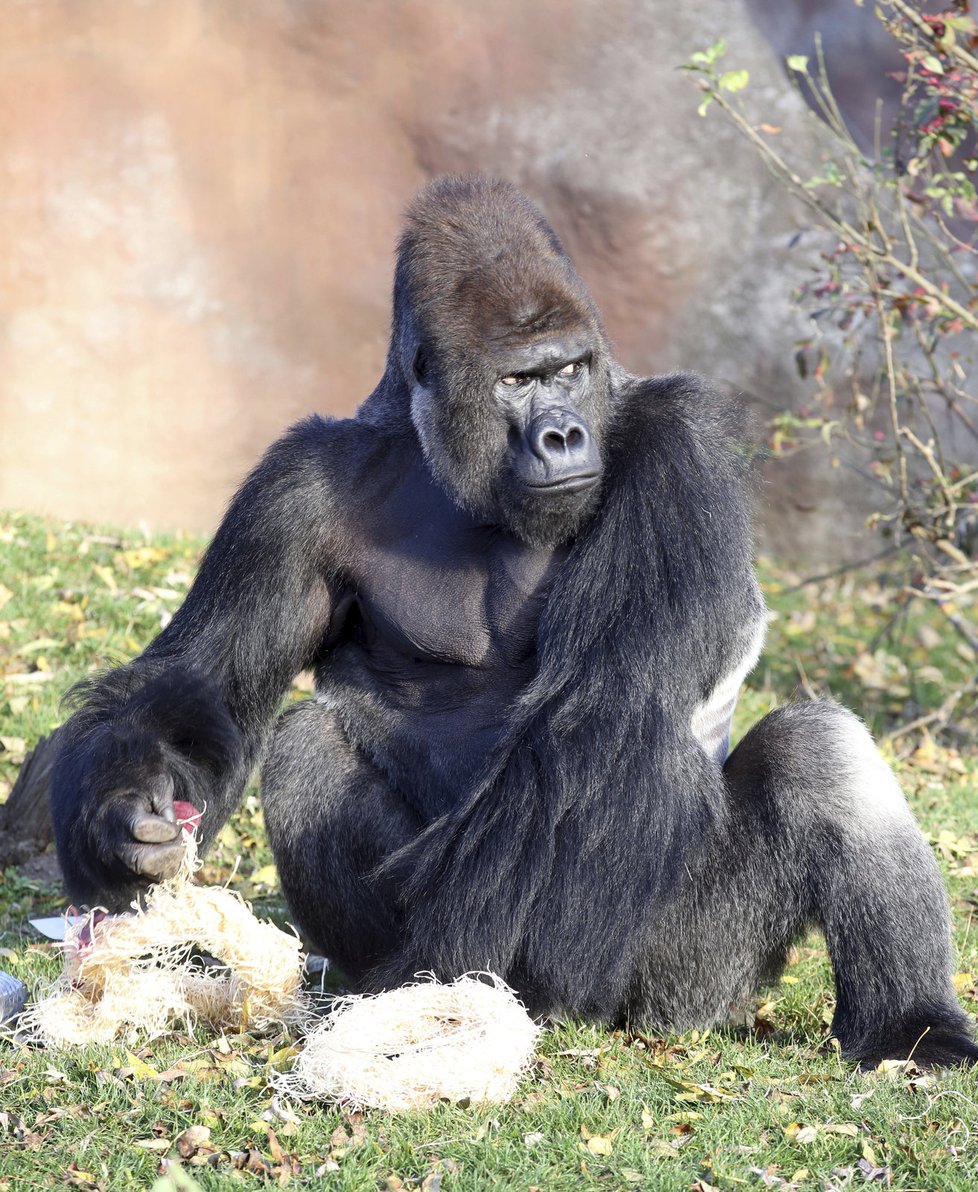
599 1144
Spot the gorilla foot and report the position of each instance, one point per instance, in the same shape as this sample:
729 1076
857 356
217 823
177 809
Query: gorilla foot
939 1039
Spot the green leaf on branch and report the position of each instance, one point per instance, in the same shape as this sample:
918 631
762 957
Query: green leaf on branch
711 56
831 177
734 80
704 104
798 62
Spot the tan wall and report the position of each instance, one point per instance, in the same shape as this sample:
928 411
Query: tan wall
200 200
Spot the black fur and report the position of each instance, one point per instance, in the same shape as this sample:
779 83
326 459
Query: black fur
523 580
598 784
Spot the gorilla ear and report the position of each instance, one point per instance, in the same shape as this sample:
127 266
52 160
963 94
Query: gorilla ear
420 365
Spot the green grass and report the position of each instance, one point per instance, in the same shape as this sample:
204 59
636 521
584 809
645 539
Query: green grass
765 1105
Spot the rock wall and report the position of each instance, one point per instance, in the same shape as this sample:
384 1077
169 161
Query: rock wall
200 201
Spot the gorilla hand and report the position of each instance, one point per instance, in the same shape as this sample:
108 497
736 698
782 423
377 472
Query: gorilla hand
141 830
122 833
120 789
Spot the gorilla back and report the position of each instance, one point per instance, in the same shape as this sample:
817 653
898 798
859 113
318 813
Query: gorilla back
522 577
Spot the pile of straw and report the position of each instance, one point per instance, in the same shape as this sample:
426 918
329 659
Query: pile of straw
411 1047
129 975
132 974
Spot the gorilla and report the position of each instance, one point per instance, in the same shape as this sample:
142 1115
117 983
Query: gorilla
522 577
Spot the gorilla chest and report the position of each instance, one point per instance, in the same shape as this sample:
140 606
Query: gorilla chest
462 596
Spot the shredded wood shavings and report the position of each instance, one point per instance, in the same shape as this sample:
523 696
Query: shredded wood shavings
411 1047
134 975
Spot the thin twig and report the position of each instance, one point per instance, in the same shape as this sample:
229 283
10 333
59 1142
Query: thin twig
927 452
844 569
941 716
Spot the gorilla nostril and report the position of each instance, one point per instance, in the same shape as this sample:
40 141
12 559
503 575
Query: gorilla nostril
575 437
553 440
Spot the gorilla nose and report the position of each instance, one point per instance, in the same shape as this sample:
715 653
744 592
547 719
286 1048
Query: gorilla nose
559 438
562 451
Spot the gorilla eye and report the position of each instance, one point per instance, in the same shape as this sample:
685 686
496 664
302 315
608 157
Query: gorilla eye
570 370
512 379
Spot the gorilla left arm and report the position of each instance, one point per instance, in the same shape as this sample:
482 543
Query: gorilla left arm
549 873
187 719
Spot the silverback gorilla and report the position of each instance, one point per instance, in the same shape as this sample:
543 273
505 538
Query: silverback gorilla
522 578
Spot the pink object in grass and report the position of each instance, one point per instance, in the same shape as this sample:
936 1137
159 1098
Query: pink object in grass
188 817
85 938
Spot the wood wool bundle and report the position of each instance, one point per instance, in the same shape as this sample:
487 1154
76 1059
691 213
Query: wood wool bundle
408 1048
133 973
411 1047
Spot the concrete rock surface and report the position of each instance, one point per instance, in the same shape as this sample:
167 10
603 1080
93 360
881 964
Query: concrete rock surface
200 202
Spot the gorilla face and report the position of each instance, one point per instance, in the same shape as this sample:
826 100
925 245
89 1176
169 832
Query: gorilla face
552 471
523 452
503 357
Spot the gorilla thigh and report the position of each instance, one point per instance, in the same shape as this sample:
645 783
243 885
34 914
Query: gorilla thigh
819 835
331 819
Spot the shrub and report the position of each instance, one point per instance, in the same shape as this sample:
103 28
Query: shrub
892 301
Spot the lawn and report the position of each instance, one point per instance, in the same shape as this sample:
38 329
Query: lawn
766 1104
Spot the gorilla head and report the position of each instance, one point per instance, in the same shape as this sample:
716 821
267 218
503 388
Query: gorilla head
503 357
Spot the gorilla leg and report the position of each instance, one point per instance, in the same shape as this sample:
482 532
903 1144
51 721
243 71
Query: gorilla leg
331 819
820 834
875 887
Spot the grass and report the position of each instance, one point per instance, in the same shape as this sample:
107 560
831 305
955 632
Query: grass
765 1105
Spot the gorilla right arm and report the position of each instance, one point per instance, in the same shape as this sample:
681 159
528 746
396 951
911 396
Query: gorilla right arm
188 719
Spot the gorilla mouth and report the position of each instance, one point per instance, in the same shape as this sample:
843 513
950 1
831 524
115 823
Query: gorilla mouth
567 484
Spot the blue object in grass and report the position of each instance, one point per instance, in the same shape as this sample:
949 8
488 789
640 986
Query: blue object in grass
13 996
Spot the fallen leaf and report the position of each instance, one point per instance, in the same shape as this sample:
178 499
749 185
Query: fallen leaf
192 1140
599 1144
107 578
176 1072
895 1068
662 1149
75 1177
139 1068
871 1173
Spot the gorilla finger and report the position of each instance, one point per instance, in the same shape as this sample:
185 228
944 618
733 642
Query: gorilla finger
154 861
153 829
161 799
